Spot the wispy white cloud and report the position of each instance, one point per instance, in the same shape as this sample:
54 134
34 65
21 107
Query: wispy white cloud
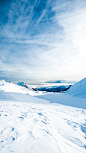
46 46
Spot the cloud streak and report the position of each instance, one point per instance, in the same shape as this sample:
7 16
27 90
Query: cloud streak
44 40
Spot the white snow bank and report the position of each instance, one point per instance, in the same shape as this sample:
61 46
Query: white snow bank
78 89
65 99
11 87
19 97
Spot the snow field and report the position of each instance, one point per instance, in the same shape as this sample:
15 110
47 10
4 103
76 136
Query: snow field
38 128
47 123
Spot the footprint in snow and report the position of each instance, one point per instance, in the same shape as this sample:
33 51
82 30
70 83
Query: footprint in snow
21 117
83 128
13 138
13 129
40 114
5 115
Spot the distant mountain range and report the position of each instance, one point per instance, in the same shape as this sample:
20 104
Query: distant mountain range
78 89
46 87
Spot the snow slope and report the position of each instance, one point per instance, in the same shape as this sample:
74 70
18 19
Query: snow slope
79 89
40 124
64 99
11 87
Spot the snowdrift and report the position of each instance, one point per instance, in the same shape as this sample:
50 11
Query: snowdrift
15 88
11 87
78 89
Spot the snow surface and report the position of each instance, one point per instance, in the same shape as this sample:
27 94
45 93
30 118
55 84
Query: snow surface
79 89
42 124
11 87
64 99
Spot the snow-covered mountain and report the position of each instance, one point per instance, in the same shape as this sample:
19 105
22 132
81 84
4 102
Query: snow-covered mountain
60 88
78 89
16 88
47 87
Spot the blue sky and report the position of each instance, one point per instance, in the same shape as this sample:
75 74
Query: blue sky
42 40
